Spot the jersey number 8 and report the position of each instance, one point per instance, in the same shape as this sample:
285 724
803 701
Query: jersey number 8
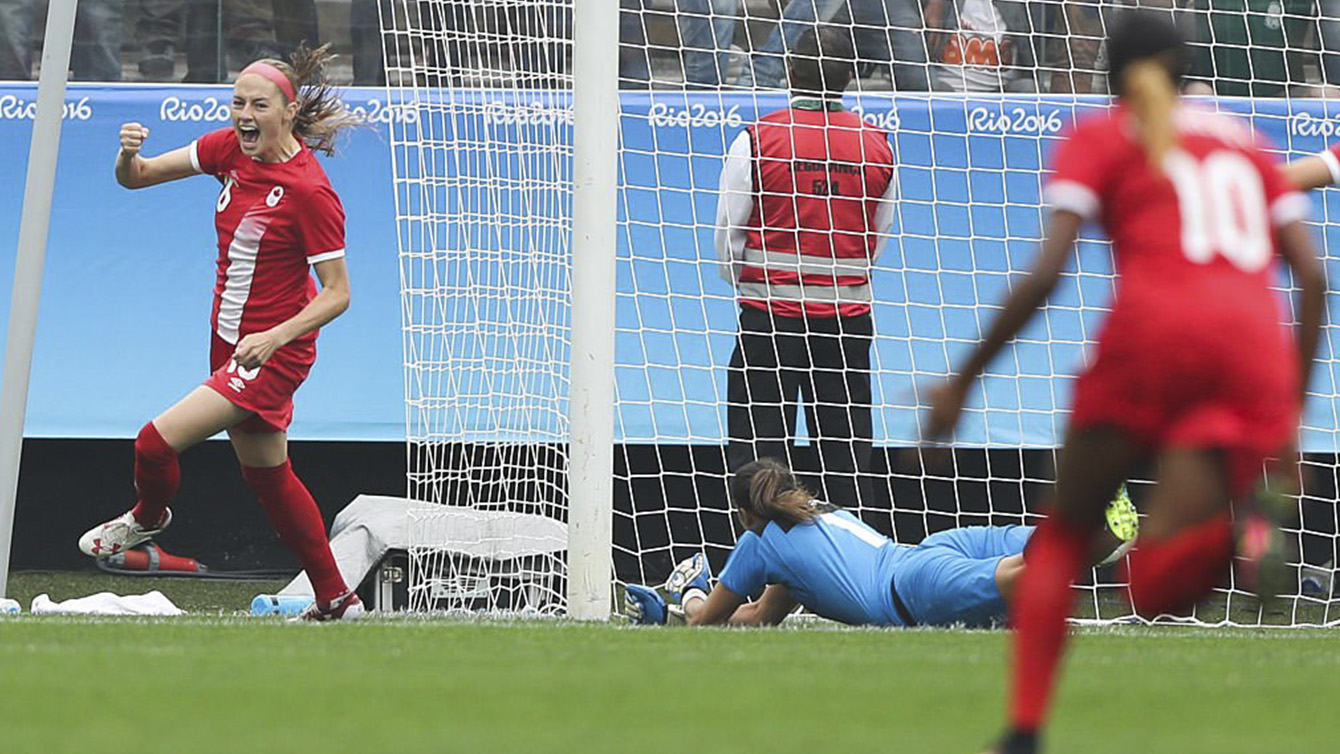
225 195
1223 207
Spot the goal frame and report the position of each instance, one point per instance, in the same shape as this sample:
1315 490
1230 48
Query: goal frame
595 103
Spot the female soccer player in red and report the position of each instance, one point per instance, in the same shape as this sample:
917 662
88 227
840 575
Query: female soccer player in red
1194 367
277 217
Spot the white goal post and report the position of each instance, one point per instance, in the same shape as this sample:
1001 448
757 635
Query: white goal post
22 327
568 334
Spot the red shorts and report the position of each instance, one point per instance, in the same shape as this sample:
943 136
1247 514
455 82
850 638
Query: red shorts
268 390
1243 401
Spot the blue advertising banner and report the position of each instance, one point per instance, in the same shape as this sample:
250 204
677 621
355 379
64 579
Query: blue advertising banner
123 328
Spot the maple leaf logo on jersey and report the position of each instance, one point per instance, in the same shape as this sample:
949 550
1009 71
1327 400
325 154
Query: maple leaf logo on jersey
274 196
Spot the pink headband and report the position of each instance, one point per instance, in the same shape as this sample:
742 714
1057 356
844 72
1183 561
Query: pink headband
276 76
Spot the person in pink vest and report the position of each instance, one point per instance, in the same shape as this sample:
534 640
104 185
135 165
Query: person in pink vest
807 199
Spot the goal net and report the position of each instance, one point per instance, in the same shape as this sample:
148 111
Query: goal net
973 95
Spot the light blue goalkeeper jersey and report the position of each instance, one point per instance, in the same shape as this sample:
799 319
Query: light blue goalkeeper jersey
836 566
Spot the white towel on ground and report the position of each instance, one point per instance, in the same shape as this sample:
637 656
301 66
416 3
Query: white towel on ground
106 603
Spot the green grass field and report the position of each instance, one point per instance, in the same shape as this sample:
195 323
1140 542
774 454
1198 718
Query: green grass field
220 682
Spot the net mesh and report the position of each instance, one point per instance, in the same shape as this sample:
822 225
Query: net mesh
974 95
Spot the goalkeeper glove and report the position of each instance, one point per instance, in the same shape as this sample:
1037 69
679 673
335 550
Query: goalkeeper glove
643 606
691 578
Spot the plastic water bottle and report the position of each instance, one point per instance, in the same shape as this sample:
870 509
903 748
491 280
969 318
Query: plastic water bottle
280 604
9 607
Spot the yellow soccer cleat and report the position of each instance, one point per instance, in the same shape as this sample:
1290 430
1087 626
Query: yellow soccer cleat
1123 521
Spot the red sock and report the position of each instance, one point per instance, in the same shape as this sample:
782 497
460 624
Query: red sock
1042 602
157 476
1171 575
294 514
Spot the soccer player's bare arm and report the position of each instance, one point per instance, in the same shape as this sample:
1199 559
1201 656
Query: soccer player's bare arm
1310 172
724 607
254 349
770 609
716 610
134 170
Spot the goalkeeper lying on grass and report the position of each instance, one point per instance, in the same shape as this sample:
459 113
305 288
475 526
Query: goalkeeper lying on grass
797 550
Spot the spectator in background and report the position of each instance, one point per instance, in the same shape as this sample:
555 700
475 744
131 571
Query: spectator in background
1250 48
1328 39
96 55
158 29
1218 51
981 45
244 29
219 29
893 32
706 32
296 25
365 32
903 42
1077 35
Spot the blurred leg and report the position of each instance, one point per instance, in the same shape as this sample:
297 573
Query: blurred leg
634 56
706 31
16 40
250 31
1093 464
899 37
295 24
1186 543
767 67
366 36
159 29
98 30
1080 35
1328 33
204 40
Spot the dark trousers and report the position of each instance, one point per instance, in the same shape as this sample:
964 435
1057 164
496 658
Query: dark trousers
781 361
95 56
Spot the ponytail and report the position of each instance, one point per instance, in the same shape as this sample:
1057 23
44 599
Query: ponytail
1152 97
321 114
767 489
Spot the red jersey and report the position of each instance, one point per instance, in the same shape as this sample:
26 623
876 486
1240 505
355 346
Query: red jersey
274 221
1194 352
820 177
1194 243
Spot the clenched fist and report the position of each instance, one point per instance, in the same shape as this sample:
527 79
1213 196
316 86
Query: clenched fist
132 138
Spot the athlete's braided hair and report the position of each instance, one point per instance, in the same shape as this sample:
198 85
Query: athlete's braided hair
321 113
768 491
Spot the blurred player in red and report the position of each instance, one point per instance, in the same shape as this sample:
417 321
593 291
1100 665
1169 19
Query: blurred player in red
277 218
1194 368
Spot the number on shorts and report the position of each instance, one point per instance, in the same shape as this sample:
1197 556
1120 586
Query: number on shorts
1223 208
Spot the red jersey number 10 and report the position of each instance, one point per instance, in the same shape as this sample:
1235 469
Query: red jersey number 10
1223 206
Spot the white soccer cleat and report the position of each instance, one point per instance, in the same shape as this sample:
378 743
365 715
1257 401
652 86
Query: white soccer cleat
119 534
347 606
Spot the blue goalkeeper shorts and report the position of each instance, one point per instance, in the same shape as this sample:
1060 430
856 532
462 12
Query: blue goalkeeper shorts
950 578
